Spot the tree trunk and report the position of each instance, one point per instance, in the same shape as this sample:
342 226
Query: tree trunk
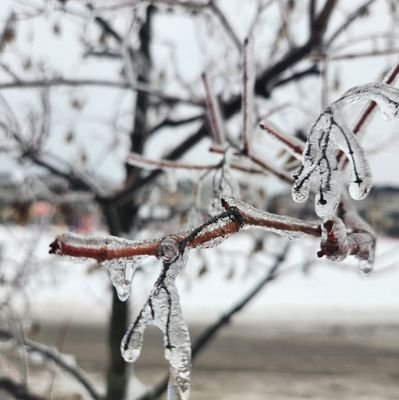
121 220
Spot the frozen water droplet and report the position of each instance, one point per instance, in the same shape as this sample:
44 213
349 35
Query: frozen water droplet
365 266
121 272
328 197
300 190
360 181
131 355
132 341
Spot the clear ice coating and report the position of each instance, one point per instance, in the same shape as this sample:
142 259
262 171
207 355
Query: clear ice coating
329 134
360 181
213 226
121 272
163 310
106 241
217 185
256 218
386 97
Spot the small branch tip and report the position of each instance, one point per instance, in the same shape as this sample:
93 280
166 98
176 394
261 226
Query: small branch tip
55 247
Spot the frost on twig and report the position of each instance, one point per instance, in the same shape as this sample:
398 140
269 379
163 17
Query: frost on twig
330 133
214 115
163 310
218 184
248 81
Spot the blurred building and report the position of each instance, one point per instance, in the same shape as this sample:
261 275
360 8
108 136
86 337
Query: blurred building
48 199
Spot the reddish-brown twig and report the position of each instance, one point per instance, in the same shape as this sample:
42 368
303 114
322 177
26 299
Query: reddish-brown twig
292 144
237 216
214 114
248 81
140 161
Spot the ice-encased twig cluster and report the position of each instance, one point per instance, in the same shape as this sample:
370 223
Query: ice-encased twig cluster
330 133
163 310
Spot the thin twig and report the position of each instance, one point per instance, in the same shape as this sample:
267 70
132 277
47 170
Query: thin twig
215 115
16 390
141 161
248 80
138 86
363 54
169 122
293 145
226 25
348 21
34 347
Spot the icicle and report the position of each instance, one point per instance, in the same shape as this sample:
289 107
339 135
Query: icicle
301 188
328 196
121 272
360 183
320 163
366 266
163 310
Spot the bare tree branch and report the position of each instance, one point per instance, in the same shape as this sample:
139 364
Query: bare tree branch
53 355
137 86
16 390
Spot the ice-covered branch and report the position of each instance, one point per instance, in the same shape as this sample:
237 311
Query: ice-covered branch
237 215
390 78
